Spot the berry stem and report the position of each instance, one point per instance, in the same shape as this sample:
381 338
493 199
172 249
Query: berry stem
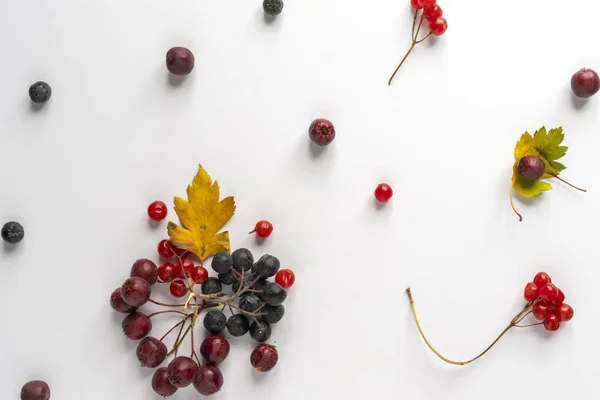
563 181
172 329
175 346
414 23
252 231
166 311
529 325
165 305
513 205
178 343
419 41
415 41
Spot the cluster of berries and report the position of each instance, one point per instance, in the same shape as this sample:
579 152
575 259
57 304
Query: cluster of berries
548 302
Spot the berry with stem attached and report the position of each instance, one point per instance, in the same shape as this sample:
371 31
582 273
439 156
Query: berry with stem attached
433 12
250 303
238 325
167 272
199 274
35 390
145 269
221 263
135 291
209 380
272 314
182 371
211 286
274 294
415 4
383 192
564 312
227 278
164 249
531 168
531 292
178 288
214 349
161 384
263 229
285 278
438 26
242 259
136 325
321 132
118 304
157 210
552 323
151 352
585 83
260 330
264 357
214 321
267 266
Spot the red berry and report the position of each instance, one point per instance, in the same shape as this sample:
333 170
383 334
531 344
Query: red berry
531 292
135 291
145 269
157 210
118 304
180 61
214 349
433 12
178 288
161 383
564 312
35 390
552 323
136 325
427 3
560 298
541 310
585 83
182 371
285 278
321 131
179 252
263 229
199 274
209 380
166 272
415 4
438 26
541 279
383 192
164 249
187 264
549 293
264 357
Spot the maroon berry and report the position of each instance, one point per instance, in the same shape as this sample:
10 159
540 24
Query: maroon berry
209 380
145 269
321 132
264 357
135 291
180 61
136 325
214 349
118 304
531 168
585 83
161 383
182 371
151 352
35 390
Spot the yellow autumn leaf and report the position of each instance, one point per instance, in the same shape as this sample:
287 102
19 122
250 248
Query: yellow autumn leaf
202 215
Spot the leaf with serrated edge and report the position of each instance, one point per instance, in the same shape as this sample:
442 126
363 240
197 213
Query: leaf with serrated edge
531 189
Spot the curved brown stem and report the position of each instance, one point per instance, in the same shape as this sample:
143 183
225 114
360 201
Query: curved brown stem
165 312
415 41
513 205
172 329
563 181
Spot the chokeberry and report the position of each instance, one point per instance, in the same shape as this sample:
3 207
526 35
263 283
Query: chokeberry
273 314
145 269
321 132
211 286
249 303
238 325
585 83
264 357
40 92
35 390
221 263
267 265
12 232
214 321
214 349
239 284
180 61
209 380
227 278
242 259
260 330
531 168
273 7
274 294
259 287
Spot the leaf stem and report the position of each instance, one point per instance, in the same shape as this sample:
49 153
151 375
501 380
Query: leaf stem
513 205
563 181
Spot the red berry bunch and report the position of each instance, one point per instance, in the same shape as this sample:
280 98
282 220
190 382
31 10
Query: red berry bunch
431 14
548 302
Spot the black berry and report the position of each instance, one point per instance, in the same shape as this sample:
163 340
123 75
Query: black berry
211 286
267 266
274 294
215 321
242 259
221 263
228 278
260 330
12 232
238 325
249 303
40 92
273 314
273 7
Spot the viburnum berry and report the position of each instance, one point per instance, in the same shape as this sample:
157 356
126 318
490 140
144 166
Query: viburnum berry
187 264
552 323
178 288
426 3
549 293
560 298
438 26
383 192
564 312
167 272
157 210
415 4
541 279
285 278
199 274
531 292
263 229
164 249
541 310
432 12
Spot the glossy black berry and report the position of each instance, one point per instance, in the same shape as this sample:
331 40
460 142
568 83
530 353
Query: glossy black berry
215 321
12 232
228 278
259 287
260 330
273 7
267 266
249 303
40 92
211 286
238 325
221 263
273 314
242 259
274 294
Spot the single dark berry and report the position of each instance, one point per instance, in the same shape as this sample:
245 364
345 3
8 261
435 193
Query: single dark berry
264 357
259 287
249 303
228 278
161 383
531 168
209 380
238 325
260 330
151 352
585 83
273 7
274 294
242 259
239 284
182 371
118 304
211 286
214 349
145 269
180 61
40 92
12 232
221 263
35 390
135 291
267 265
136 325
273 314
321 132
214 321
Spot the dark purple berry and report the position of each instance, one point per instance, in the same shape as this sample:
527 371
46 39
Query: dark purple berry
35 390
209 380
242 259
267 266
180 61
118 304
182 371
151 352
585 83
136 325
273 314
531 168
260 330
264 357
40 92
321 132
273 7
161 383
145 269
135 291
238 325
214 349
12 232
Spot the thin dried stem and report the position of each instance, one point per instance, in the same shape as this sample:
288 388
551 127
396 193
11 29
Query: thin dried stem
563 181
513 205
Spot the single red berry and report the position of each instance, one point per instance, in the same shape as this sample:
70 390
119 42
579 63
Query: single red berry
179 252
321 132
285 278
157 210
178 288
549 293
214 349
264 357
560 298
187 264
135 291
178 271
166 272
118 304
415 4
383 192
433 12
564 312
180 61
541 279
199 274
585 83
541 310
164 249
438 26
531 292
263 229
552 323
426 3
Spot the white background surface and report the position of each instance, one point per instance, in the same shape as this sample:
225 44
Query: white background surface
116 135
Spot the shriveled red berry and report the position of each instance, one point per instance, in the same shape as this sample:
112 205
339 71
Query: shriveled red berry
433 12
541 279
264 357
541 310
426 3
166 272
157 210
199 274
564 312
164 249
549 293
178 288
383 192
321 131
285 278
531 292
263 229
415 4
180 61
438 26
552 323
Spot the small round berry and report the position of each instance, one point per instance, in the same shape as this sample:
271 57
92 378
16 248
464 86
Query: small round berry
199 274
180 61
145 269
560 298
151 352
161 383
167 272
12 232
531 292
182 371
211 286
549 293
383 192
215 349
564 312
221 263
242 259
531 168
214 321
415 4
264 357
178 288
263 229
118 304
426 3
238 325
136 325
187 265
40 92
250 303
321 132
157 210
135 291
274 294
35 390
227 278
267 266
260 330
164 249
209 380
541 310
273 7
272 314
541 279
585 83
285 278
552 323
438 26
433 12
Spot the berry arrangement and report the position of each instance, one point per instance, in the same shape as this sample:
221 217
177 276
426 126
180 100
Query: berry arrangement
431 12
545 301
